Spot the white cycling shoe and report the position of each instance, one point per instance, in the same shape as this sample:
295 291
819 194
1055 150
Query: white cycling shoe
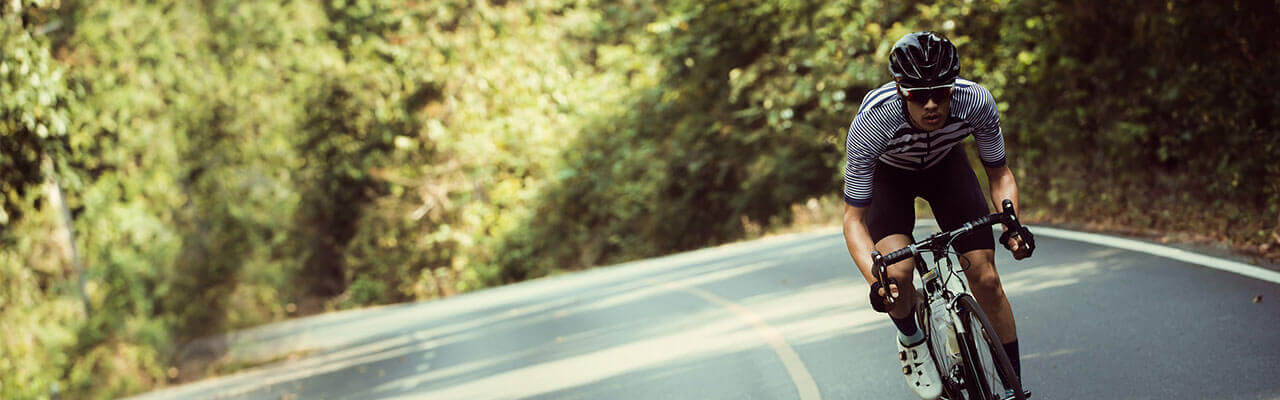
922 375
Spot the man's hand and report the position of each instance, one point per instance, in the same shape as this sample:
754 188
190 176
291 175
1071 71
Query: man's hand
1020 246
880 299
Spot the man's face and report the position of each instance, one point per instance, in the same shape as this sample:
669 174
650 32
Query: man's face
931 114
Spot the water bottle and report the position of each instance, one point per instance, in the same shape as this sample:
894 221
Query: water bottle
941 320
956 287
953 346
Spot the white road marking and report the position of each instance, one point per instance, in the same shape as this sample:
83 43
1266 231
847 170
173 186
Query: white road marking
805 385
1251 271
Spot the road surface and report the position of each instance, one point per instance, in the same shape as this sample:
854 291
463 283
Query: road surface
781 318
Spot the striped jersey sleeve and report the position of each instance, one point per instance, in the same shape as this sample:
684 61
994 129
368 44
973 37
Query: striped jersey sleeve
866 139
985 118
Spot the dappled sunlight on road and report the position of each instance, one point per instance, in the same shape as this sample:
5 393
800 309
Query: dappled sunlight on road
706 339
1050 354
819 312
786 319
694 322
647 291
683 336
351 357
470 311
1029 280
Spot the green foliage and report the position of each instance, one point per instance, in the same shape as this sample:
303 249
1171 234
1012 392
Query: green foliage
38 310
228 163
752 96
1169 118
38 307
744 118
33 115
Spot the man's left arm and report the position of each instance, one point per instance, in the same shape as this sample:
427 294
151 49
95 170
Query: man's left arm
1003 186
986 117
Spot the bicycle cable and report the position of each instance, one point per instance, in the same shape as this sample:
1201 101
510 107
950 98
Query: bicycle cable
964 265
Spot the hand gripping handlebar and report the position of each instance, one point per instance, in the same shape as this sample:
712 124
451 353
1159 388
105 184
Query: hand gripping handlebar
939 241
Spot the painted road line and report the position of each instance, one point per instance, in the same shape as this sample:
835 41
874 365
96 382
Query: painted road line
805 385
1221 264
1251 271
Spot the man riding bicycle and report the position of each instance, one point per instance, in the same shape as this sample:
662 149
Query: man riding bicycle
903 144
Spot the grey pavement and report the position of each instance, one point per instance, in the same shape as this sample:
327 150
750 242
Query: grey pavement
754 320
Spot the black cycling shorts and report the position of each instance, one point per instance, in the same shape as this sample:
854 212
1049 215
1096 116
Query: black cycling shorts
950 187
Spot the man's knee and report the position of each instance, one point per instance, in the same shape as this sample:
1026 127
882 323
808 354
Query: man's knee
903 272
984 279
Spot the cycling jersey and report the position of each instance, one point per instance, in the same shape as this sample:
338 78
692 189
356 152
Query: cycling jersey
880 131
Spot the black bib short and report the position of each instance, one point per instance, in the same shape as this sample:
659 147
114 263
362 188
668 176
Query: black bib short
950 187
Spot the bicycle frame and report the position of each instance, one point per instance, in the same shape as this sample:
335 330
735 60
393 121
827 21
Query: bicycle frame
937 244
935 284
934 278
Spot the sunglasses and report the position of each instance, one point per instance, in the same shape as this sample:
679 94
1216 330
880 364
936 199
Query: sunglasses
939 94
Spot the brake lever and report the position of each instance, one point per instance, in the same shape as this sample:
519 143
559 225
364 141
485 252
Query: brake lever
1009 215
1015 227
881 273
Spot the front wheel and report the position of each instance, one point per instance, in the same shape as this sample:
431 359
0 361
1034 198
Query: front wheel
988 370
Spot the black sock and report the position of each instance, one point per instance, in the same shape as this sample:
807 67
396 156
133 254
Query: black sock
907 326
1011 349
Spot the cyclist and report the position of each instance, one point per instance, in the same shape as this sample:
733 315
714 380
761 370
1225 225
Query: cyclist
902 144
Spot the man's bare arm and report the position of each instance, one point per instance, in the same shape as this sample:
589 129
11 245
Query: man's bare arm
858 239
1003 186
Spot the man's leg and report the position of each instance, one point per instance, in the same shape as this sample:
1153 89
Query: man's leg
889 221
984 281
902 272
922 375
956 198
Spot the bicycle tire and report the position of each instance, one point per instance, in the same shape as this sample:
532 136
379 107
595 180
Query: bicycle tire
984 355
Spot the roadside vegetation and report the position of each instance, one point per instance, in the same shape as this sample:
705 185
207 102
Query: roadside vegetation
175 169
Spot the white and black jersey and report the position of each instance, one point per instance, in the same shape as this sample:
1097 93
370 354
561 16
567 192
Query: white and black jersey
880 131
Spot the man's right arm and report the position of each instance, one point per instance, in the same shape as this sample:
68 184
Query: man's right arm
864 142
858 240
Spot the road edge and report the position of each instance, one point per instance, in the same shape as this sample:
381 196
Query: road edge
1172 253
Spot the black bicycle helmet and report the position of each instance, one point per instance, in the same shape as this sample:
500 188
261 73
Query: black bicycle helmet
923 59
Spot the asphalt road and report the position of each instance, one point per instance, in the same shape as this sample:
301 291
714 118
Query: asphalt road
785 318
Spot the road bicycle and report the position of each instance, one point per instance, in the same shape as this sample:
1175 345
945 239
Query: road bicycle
963 343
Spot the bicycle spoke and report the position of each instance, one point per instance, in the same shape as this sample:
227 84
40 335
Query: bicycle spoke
990 372
989 362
